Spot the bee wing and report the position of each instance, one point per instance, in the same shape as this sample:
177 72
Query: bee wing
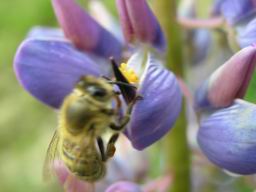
51 155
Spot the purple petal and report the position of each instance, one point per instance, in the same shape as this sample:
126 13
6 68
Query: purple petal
227 137
49 69
139 22
228 82
154 116
124 186
46 33
84 31
247 36
236 10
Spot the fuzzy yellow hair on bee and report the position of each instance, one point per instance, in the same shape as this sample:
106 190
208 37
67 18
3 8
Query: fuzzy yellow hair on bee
85 115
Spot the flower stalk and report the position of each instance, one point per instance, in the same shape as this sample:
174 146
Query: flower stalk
176 150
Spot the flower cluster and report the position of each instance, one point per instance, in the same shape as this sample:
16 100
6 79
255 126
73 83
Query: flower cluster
227 131
50 61
240 18
227 127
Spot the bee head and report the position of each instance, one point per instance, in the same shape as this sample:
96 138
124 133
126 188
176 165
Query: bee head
95 87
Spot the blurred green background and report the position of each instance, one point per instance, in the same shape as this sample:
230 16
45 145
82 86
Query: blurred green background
26 125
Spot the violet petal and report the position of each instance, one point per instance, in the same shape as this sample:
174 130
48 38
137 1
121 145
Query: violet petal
227 137
49 69
154 115
84 31
40 32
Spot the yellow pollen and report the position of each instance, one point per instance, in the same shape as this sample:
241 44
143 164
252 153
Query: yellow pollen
129 73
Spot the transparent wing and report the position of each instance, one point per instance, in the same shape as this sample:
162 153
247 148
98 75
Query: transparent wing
50 156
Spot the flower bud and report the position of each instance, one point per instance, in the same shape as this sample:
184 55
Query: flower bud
84 31
139 23
229 81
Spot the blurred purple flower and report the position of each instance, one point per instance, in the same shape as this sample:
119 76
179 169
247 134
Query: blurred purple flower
227 137
139 23
228 82
246 35
201 41
235 11
124 186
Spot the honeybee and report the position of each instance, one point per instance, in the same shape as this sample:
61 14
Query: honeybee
85 115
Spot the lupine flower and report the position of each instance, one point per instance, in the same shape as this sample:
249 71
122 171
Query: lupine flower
229 81
139 23
50 69
48 65
227 137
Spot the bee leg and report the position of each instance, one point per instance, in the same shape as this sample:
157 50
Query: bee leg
126 118
118 104
111 149
105 77
101 148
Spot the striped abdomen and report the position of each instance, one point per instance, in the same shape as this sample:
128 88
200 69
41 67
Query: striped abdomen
84 162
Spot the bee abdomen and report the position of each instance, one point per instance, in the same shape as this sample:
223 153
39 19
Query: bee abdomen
90 171
88 167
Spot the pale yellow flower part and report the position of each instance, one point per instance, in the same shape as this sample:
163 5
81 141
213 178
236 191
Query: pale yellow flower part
129 73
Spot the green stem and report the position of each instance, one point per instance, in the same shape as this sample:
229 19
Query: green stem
176 149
